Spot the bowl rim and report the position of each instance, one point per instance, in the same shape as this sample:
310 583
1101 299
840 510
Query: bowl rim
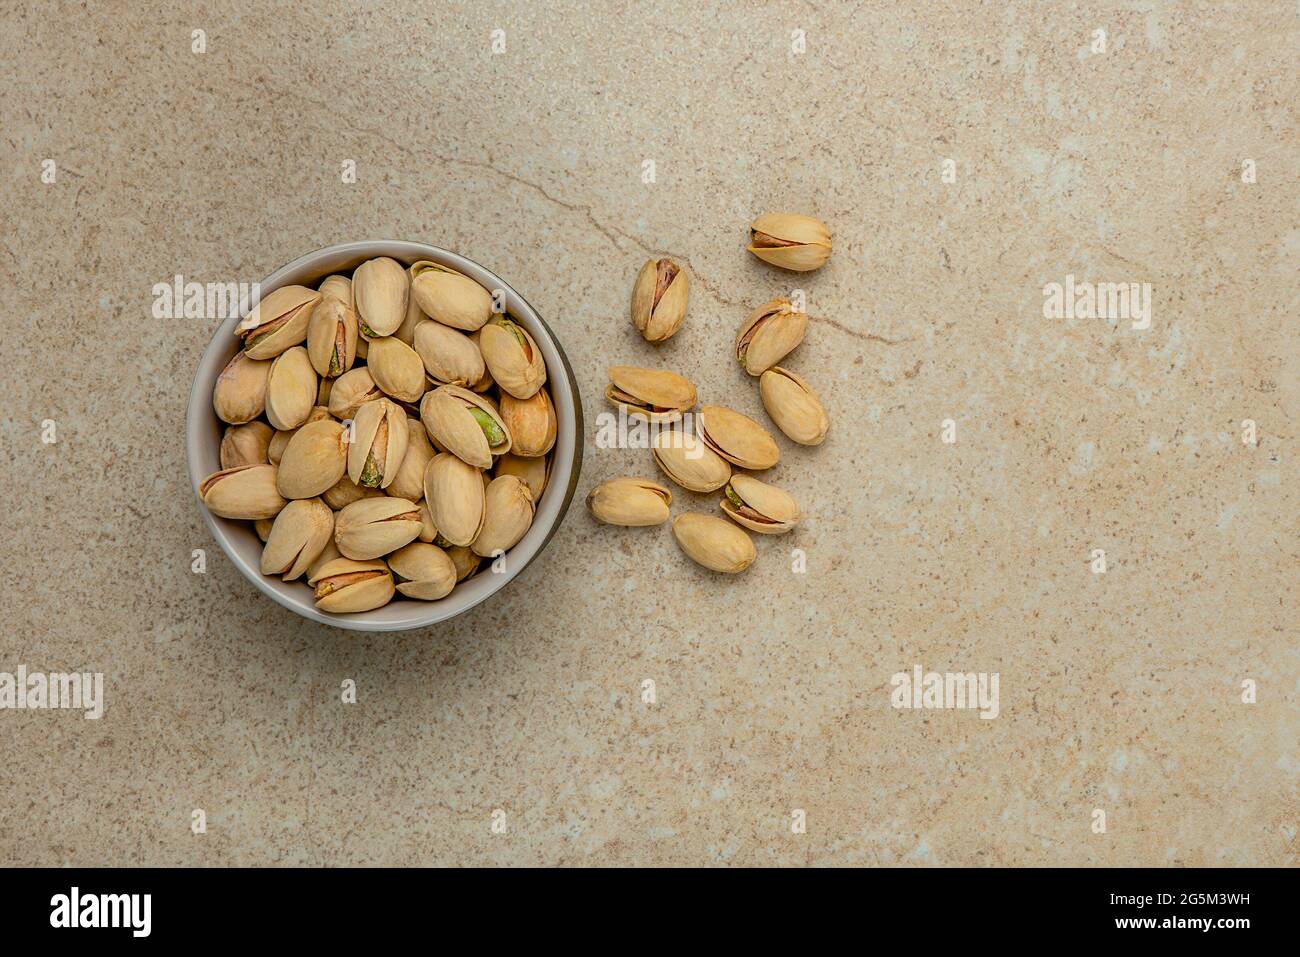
568 404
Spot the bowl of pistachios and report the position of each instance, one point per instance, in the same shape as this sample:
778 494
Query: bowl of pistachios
384 436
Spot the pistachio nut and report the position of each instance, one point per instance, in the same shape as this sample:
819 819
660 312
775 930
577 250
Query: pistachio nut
246 491
485 381
290 389
396 368
423 571
465 424
300 533
512 357
530 422
450 297
793 406
344 586
414 314
428 530
373 527
379 438
630 501
769 335
338 286
714 542
737 438
381 289
314 460
363 344
409 480
533 471
245 444
464 559
345 491
332 337
323 392
281 439
351 391
655 395
758 507
327 554
659 299
263 528
791 241
454 491
508 514
278 322
689 462
450 356
240 393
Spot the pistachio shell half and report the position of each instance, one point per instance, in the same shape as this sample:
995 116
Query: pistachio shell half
278 322
450 297
332 337
454 491
423 571
290 389
793 406
240 393
465 424
714 542
344 586
396 368
508 514
373 527
381 289
769 335
630 501
530 422
659 299
689 462
300 533
246 492
737 438
314 460
379 437
758 507
351 391
409 480
245 444
791 241
512 357
533 471
656 395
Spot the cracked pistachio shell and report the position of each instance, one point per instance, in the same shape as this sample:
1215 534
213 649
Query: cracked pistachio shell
793 406
351 391
659 298
714 542
460 421
630 501
332 337
409 480
464 559
396 369
423 571
655 395
533 471
530 422
379 438
455 493
450 356
246 492
290 389
791 241
314 460
245 444
345 491
689 462
450 297
381 290
759 507
344 585
373 527
771 333
737 438
512 357
428 530
278 322
508 514
298 536
240 393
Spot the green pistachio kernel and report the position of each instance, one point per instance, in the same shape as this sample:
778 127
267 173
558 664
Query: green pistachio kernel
736 500
489 426
370 474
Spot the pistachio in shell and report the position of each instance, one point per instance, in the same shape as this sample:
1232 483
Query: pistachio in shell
414 314
314 460
338 286
278 322
714 542
790 240
659 298
345 491
351 391
531 423
450 356
345 586
281 439
655 395
240 393
379 438
290 389
373 527
485 381
381 289
246 492
533 471
464 559
396 368
422 571
428 530
628 501
262 527
759 507
512 357
298 536
771 333
508 514
465 424
450 297
245 444
327 554
793 406
737 438
332 337
409 480
689 462
455 494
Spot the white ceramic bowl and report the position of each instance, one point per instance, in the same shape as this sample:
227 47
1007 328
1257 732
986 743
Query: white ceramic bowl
240 542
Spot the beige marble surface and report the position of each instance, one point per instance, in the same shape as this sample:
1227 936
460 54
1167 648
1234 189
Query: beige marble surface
1119 692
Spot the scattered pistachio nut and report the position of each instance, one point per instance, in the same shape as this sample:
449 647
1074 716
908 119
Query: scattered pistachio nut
714 542
512 357
246 491
656 395
737 438
278 322
381 289
507 516
689 462
759 507
793 406
659 298
378 442
450 297
465 424
373 527
791 241
530 423
298 536
630 501
771 333
344 586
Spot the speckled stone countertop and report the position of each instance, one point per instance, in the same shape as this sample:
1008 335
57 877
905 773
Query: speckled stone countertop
1120 692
